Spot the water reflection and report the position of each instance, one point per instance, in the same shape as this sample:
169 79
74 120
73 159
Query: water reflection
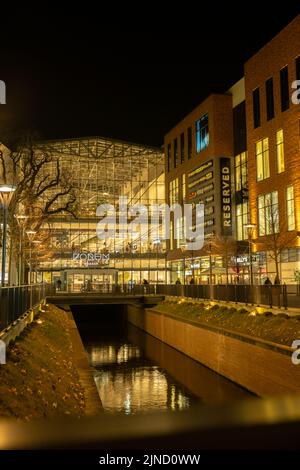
128 382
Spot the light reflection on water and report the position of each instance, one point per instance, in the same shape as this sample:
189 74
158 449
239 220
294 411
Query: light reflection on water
130 383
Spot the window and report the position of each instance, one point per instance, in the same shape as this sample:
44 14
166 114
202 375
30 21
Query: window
280 151
256 108
169 157
190 143
202 135
289 255
242 219
241 171
173 192
182 147
269 99
284 89
175 153
183 185
290 208
268 215
180 231
298 68
262 159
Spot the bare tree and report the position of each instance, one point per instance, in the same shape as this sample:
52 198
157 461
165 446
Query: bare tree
223 246
276 236
42 188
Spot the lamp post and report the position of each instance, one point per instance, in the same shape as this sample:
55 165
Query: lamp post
209 240
250 228
21 220
183 250
30 234
6 194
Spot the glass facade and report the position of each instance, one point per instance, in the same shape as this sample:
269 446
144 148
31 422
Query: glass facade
241 171
242 219
102 170
202 134
290 208
268 214
280 151
262 159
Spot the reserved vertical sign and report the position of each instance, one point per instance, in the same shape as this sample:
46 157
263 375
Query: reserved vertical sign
226 197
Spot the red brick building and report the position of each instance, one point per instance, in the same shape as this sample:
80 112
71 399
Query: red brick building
274 152
256 126
196 150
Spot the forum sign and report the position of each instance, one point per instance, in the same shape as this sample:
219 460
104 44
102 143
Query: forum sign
151 222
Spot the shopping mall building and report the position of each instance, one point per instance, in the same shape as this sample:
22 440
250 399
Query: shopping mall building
101 170
238 153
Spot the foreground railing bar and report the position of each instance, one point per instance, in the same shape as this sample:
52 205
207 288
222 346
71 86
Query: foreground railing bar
203 426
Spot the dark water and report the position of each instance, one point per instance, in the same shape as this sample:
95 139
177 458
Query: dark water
130 382
136 373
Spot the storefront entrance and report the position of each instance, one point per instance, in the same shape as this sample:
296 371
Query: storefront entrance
90 280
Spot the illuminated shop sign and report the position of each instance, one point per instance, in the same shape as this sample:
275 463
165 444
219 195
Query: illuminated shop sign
208 176
201 168
209 210
208 199
200 191
226 203
209 223
91 258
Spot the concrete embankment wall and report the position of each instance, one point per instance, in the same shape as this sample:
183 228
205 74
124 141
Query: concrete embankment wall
262 367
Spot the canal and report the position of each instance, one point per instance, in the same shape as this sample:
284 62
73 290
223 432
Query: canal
136 373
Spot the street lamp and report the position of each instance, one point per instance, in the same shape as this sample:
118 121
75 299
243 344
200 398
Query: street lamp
250 228
6 194
21 220
30 234
209 239
183 250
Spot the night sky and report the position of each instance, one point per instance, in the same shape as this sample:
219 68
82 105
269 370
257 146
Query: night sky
75 75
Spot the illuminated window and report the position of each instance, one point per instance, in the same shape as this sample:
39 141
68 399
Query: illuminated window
242 219
173 192
284 89
171 235
183 183
290 206
182 149
175 153
268 214
280 151
262 159
256 108
202 134
241 171
190 143
180 231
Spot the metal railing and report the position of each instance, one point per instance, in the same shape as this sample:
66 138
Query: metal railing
96 288
253 424
16 300
271 295
282 296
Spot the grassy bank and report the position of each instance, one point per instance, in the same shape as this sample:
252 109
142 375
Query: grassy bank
40 378
277 328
